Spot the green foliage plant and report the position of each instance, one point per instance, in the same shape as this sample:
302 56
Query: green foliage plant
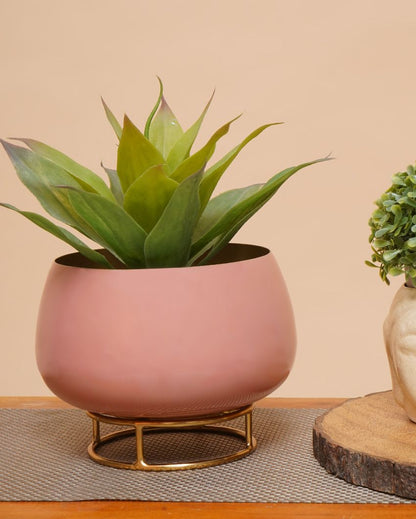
157 209
393 229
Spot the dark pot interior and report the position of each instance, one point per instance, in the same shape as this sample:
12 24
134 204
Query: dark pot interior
229 254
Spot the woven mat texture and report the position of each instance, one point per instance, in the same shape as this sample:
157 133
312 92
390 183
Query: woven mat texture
43 458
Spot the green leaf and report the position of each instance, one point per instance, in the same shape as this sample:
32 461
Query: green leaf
237 215
219 206
197 161
112 120
182 148
224 238
135 155
89 180
396 210
395 271
64 235
147 197
380 243
381 232
390 255
169 243
116 230
398 181
114 184
165 130
195 259
411 242
378 213
410 202
40 175
215 172
370 264
152 113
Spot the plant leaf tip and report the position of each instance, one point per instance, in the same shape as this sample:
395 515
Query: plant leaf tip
160 84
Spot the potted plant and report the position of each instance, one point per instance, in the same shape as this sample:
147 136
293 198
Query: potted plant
393 242
167 318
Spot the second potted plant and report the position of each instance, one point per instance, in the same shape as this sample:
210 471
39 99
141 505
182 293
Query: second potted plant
393 240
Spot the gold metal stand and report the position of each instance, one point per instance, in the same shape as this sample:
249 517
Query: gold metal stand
141 426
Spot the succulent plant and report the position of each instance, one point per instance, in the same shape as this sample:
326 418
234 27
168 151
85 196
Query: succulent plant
393 228
158 209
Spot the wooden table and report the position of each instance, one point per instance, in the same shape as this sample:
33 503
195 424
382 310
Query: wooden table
133 509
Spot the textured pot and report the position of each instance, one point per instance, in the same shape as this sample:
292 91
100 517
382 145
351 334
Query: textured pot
400 339
166 342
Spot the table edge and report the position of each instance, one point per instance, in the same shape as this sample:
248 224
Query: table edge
52 402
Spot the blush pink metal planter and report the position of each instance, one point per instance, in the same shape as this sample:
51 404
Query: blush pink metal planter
168 342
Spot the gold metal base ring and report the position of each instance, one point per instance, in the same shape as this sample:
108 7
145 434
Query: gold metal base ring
142 426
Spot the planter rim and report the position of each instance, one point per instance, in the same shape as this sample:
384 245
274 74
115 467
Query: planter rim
232 253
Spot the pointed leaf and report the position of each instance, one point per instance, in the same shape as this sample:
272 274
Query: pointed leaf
39 176
198 160
154 110
114 184
195 259
219 206
135 155
64 235
89 180
215 210
147 197
215 172
112 120
165 129
117 231
169 243
237 215
182 148
221 241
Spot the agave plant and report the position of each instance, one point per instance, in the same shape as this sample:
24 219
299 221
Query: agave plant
158 209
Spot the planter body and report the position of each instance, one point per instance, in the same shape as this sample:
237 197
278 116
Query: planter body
166 342
400 339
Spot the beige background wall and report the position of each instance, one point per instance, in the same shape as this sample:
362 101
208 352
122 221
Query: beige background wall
341 74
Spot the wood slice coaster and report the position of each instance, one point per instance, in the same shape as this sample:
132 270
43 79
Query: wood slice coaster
369 441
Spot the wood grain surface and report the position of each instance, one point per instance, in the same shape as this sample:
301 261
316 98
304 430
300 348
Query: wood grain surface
369 441
137 509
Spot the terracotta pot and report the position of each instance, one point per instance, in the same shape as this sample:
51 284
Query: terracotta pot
400 339
166 342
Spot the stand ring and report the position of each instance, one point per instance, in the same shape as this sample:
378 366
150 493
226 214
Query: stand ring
142 426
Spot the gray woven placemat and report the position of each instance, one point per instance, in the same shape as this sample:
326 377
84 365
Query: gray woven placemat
43 458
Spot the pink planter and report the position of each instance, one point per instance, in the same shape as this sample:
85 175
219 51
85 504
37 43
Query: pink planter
166 342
